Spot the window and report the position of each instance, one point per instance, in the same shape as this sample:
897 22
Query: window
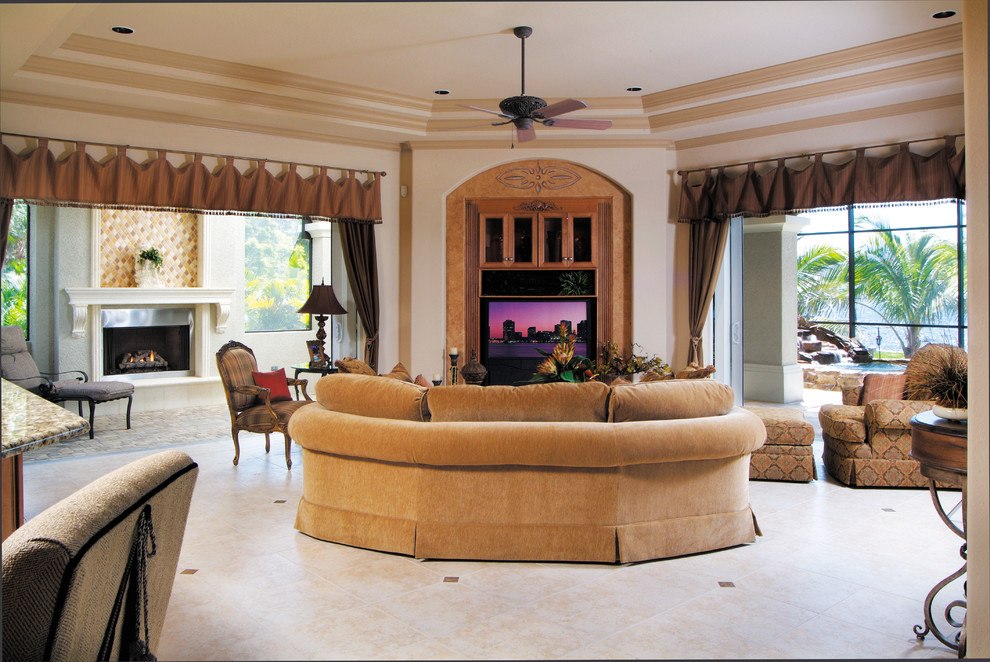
276 274
15 281
893 277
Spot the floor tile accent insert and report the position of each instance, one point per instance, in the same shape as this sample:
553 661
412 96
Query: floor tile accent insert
189 571
888 510
727 584
451 579
279 501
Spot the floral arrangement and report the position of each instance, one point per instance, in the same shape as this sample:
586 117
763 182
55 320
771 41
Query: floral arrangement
150 255
562 364
615 363
942 377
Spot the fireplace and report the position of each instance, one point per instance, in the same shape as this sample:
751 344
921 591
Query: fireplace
147 342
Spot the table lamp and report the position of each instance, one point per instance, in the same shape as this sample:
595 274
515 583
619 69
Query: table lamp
322 302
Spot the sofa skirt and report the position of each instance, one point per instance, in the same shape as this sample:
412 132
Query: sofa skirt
528 513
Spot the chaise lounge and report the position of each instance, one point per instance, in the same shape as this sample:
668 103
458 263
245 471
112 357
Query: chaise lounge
560 471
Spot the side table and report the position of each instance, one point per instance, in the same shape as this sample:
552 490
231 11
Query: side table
305 367
940 446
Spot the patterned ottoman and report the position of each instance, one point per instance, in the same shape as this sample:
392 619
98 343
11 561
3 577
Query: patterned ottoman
787 453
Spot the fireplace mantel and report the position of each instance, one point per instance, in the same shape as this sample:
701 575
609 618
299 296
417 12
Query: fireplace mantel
81 298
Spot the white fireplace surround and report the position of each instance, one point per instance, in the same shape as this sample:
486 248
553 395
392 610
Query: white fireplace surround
87 303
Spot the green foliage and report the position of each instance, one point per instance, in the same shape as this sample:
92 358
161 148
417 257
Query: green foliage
905 278
563 365
150 255
575 283
14 277
276 274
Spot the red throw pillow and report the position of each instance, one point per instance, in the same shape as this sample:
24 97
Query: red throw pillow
274 382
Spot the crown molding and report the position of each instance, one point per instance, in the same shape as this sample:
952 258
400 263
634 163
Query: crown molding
117 110
224 69
199 90
838 119
648 142
909 73
948 38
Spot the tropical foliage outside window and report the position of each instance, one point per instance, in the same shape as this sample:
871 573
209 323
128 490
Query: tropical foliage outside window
276 274
14 277
894 277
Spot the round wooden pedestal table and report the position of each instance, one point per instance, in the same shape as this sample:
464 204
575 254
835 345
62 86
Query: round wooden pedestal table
940 446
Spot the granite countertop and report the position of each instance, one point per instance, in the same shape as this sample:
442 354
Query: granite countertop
30 421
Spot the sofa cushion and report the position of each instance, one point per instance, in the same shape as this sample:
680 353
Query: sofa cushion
882 387
670 398
399 372
354 366
554 401
375 397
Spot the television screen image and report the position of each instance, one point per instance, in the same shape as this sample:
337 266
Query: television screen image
516 329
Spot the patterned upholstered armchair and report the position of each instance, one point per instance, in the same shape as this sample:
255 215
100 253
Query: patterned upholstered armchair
262 409
868 437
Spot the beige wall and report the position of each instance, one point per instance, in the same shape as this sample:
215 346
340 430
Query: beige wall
641 171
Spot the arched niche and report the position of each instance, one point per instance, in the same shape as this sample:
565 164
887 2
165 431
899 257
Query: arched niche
538 181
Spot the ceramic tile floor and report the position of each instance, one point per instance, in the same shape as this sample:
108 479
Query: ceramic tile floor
838 573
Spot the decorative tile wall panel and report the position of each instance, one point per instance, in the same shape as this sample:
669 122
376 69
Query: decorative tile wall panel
125 232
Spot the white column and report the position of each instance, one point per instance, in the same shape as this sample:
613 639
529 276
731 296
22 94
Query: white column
320 232
771 372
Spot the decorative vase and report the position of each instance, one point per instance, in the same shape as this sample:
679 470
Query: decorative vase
950 413
146 274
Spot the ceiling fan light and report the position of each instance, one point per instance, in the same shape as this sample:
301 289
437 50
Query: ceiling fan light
521 106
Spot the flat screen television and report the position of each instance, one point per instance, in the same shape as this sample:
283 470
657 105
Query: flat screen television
513 329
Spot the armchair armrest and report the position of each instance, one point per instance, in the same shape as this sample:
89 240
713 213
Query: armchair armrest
299 382
84 378
843 422
894 414
45 385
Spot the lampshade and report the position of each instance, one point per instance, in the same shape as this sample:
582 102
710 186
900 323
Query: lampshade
322 301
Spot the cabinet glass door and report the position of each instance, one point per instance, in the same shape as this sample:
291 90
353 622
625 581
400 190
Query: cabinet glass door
523 237
552 235
493 238
582 252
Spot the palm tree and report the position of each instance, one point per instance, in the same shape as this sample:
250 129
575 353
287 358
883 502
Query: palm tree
823 283
907 279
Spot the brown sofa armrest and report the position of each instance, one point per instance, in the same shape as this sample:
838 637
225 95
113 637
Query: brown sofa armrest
843 422
894 414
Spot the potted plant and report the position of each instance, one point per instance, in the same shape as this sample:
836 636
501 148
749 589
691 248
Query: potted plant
615 364
147 267
942 375
563 365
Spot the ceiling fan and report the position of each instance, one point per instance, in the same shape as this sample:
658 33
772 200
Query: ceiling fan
522 111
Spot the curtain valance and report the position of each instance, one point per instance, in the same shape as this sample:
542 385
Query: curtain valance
901 177
78 179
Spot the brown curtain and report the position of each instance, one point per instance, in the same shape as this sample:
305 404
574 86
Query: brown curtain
120 182
902 177
360 258
6 209
708 204
704 263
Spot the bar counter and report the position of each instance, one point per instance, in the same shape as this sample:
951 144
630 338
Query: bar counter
28 421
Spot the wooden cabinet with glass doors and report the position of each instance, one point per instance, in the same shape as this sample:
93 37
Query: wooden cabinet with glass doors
536 234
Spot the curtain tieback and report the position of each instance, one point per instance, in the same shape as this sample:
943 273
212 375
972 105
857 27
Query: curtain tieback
372 340
695 341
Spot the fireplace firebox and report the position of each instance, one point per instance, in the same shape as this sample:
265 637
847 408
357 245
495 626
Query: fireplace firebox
147 342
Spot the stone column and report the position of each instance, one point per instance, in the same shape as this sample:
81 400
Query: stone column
320 232
771 372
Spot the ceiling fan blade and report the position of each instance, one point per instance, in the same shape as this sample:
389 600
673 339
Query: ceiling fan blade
581 124
485 110
561 107
525 135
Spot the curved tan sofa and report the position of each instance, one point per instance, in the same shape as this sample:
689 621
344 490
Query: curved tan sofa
562 472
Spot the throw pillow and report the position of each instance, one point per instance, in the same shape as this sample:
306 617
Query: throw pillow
654 376
421 381
620 381
399 372
355 366
882 387
274 382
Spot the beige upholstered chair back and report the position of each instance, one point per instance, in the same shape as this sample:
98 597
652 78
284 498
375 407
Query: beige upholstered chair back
63 569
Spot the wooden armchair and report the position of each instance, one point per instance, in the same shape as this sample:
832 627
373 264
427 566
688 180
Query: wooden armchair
254 408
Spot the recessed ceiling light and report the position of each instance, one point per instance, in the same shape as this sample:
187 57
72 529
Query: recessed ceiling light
948 13
441 92
634 88
121 29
